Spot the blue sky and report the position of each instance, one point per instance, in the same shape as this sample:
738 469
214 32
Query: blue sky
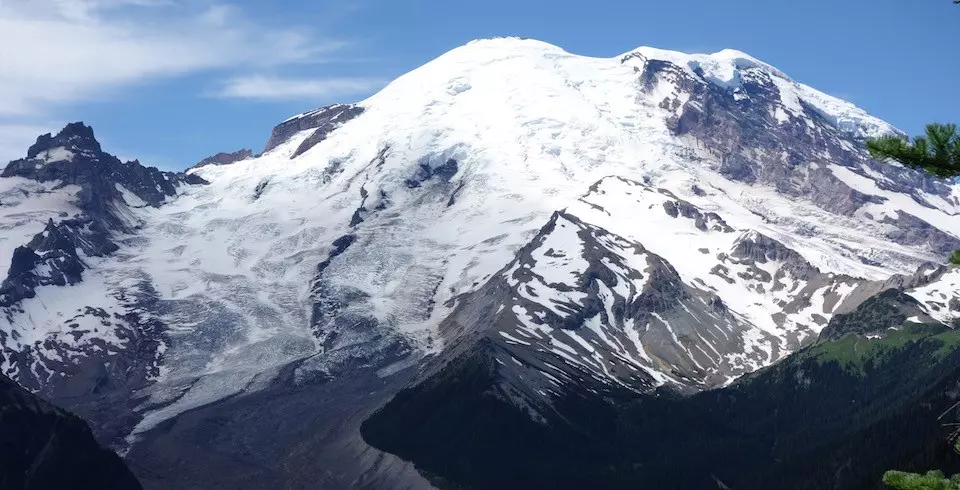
171 81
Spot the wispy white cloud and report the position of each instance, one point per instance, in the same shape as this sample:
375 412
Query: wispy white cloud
56 51
260 87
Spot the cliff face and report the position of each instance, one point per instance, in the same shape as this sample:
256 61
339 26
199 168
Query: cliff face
322 121
223 158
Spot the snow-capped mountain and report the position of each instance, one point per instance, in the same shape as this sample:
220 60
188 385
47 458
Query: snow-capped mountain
652 220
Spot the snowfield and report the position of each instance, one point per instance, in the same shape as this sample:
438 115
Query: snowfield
529 129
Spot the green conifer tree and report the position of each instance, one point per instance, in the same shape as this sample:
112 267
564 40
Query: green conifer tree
933 480
937 152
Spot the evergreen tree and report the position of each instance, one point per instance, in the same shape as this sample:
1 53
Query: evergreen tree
933 480
938 152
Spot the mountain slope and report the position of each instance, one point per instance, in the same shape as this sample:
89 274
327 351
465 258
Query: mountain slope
864 399
43 447
652 222
72 331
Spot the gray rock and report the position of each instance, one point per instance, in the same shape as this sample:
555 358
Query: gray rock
751 146
702 220
323 120
682 328
57 247
224 159
876 315
74 157
98 379
911 230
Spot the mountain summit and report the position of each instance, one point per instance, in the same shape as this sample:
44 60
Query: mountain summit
656 222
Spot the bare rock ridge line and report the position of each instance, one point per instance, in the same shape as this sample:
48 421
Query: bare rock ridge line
82 364
224 158
321 122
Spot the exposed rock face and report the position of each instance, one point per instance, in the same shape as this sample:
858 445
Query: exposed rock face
51 258
43 447
426 172
679 207
758 140
223 159
878 314
74 157
615 294
107 346
323 121
911 230
582 305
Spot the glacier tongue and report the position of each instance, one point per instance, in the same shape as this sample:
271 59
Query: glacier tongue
367 235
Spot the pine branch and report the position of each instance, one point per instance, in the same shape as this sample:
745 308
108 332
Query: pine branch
937 152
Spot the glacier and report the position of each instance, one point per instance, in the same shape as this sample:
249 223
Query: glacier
508 189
